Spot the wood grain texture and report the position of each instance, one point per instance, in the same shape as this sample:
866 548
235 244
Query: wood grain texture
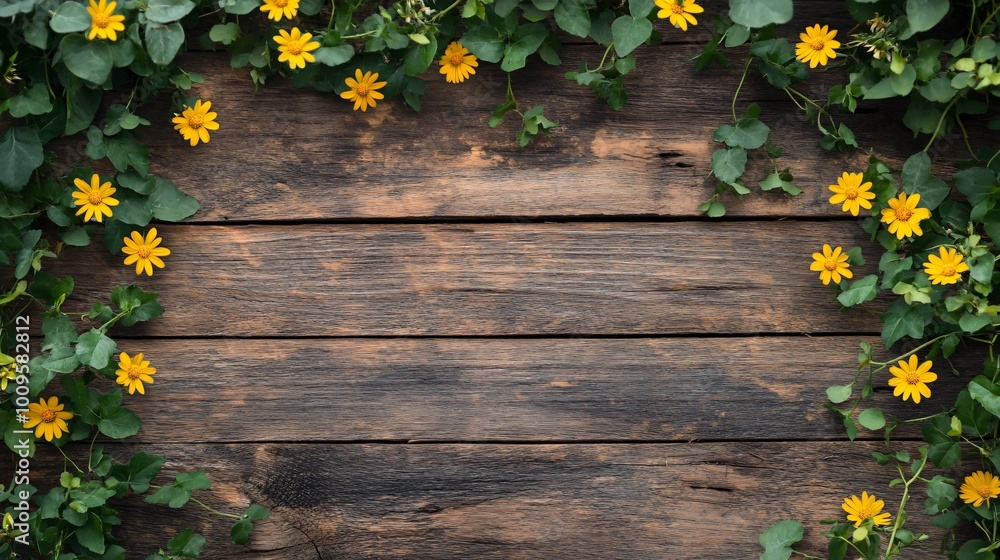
486 279
679 501
289 154
508 390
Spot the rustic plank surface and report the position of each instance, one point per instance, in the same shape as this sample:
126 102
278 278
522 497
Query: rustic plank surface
486 279
679 501
316 159
685 389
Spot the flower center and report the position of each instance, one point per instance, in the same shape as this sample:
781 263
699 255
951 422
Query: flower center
195 121
281 3
912 378
677 9
817 44
830 265
948 271
95 198
294 47
50 416
851 194
903 213
864 513
134 372
362 90
984 491
457 59
144 252
102 21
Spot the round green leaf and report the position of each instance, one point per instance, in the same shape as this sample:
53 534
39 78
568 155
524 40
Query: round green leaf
70 17
839 393
89 60
758 13
163 42
872 418
629 33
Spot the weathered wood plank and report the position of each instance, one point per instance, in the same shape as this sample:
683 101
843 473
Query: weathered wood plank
679 501
507 390
486 279
289 154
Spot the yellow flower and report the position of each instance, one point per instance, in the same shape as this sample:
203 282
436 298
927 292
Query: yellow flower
132 372
104 23
144 252
195 122
831 264
94 199
865 507
47 418
946 269
903 216
295 47
457 64
911 379
8 373
277 8
817 46
679 12
852 192
362 90
980 487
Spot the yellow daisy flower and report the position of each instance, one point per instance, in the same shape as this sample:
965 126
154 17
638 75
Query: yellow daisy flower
946 269
831 265
104 23
979 487
144 252
195 122
94 199
362 90
854 194
8 372
865 507
903 216
910 379
277 8
132 372
817 46
457 64
48 418
679 12
295 47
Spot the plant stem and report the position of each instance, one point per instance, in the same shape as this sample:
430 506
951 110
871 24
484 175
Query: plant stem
438 15
902 501
333 10
939 123
746 70
210 509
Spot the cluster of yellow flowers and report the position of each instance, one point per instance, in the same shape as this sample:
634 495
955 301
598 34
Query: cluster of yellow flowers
49 417
977 488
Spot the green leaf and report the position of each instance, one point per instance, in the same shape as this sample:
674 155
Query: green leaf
70 17
132 209
759 13
976 183
256 512
419 57
640 8
91 535
76 237
778 539
629 33
20 154
572 17
58 331
924 14
917 179
728 165
973 323
125 151
938 90
975 550
225 33
137 305
166 11
163 42
170 495
872 418
141 469
240 533
134 182
901 320
943 450
986 393
119 423
484 42
774 181
170 204
860 291
34 101
334 56
94 348
748 133
187 544
529 38
88 60
839 393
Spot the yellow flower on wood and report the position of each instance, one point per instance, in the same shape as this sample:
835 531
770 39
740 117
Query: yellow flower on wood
48 418
854 194
979 487
94 199
679 12
361 89
194 122
910 378
903 216
831 265
817 46
144 253
865 507
133 372
104 23
295 47
276 9
457 64
946 268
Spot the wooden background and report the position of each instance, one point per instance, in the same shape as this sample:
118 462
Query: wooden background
410 338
